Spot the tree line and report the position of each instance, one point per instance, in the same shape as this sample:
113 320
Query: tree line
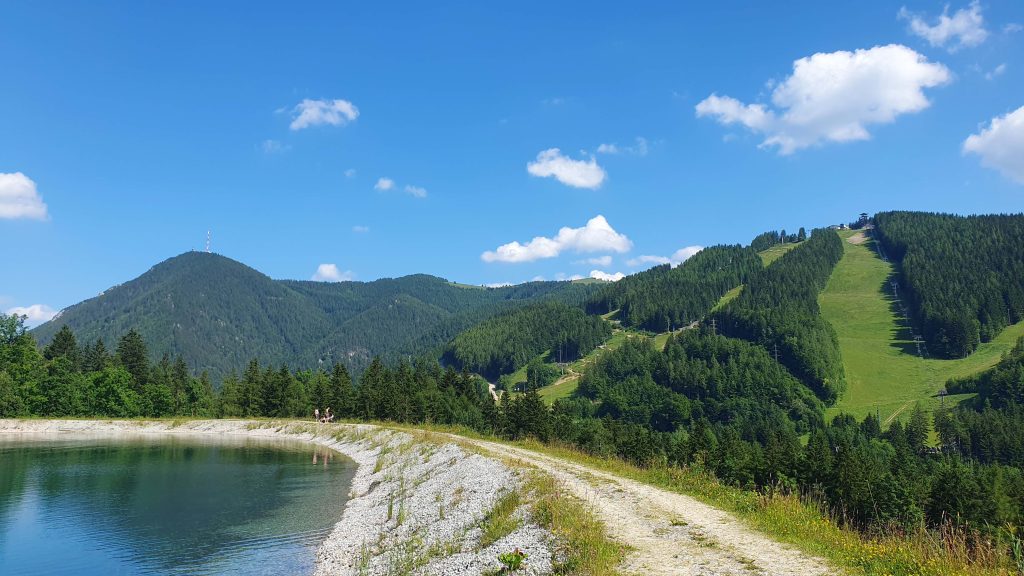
963 276
507 342
778 309
665 297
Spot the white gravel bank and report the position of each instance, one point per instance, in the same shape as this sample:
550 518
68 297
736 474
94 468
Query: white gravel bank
415 504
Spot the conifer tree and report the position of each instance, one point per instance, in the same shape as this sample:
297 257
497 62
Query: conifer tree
133 356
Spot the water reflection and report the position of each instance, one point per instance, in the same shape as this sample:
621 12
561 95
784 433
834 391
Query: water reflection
166 506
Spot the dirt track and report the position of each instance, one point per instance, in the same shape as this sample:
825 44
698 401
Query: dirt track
669 533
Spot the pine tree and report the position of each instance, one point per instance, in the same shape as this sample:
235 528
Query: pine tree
341 393
64 345
95 357
133 356
917 429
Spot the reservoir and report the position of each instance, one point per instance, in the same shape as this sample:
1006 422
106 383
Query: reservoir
167 505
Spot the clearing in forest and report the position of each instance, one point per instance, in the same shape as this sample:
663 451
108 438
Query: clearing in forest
884 374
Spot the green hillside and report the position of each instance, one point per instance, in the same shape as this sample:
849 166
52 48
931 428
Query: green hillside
218 314
883 371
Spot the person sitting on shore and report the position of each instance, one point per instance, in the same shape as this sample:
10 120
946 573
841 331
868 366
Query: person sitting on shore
328 417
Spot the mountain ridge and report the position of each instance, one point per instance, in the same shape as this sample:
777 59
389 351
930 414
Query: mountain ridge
218 313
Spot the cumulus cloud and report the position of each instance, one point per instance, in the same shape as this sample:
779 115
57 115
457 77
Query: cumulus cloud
1001 145
575 173
331 273
350 173
360 229
596 236
310 113
19 198
599 275
416 191
964 29
677 257
384 184
35 314
639 148
834 97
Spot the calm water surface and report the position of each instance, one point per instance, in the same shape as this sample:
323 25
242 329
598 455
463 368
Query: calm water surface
167 505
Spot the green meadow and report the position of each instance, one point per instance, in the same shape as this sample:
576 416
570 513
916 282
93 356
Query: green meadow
884 374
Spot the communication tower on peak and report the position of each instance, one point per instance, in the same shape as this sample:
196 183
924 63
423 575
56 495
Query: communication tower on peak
207 241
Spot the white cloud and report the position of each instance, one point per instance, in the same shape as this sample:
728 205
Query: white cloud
498 284
36 313
319 112
360 229
639 148
537 278
19 198
350 173
575 173
273 147
677 257
966 26
331 273
596 236
416 191
833 97
384 184
1001 145
995 72
599 275
604 261
1012 28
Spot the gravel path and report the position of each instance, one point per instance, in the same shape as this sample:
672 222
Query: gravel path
669 533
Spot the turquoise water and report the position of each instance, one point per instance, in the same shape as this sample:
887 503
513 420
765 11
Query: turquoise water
167 506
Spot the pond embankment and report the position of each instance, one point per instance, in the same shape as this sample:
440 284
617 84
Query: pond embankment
418 504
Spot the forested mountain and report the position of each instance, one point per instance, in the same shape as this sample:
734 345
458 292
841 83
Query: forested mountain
663 297
963 277
217 314
778 309
505 343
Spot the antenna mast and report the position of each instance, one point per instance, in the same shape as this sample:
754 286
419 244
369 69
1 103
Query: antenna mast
207 241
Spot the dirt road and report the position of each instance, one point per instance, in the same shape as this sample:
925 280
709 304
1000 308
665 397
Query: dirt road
669 533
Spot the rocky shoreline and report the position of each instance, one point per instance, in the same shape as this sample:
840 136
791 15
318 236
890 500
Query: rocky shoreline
417 504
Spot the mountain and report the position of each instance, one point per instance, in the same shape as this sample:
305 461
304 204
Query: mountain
218 314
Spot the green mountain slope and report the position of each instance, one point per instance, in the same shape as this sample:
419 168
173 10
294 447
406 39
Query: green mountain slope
883 372
218 313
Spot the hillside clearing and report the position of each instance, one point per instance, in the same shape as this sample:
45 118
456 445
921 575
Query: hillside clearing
775 252
883 373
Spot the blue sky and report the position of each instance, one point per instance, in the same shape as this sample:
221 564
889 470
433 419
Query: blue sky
127 130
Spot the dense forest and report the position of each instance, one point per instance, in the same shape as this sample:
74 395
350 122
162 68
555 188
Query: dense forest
507 342
778 309
216 314
665 298
963 277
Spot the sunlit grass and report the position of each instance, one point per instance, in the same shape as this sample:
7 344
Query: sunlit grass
883 372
